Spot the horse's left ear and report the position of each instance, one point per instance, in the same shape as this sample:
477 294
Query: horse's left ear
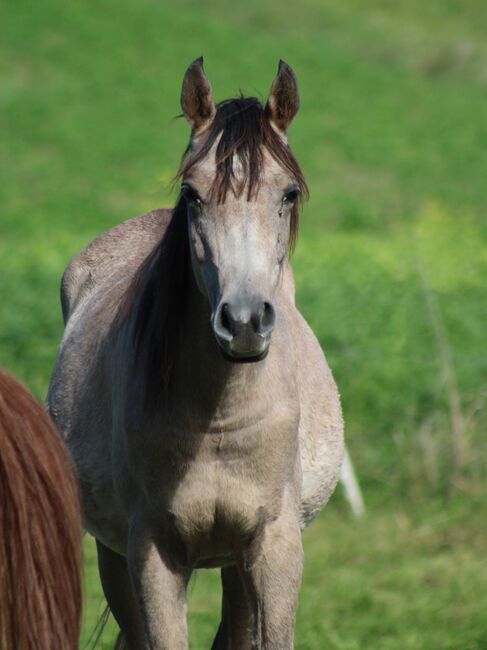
196 97
283 102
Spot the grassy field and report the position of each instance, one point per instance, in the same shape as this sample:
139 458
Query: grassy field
391 265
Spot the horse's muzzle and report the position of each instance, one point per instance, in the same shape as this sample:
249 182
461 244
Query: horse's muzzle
243 328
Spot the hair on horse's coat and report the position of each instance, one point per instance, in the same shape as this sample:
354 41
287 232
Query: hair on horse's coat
40 529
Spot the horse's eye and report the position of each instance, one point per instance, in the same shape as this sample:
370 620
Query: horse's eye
191 195
291 196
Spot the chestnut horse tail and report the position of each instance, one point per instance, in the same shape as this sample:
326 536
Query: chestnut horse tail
40 529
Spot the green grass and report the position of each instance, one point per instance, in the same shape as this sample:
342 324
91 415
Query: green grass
401 579
391 264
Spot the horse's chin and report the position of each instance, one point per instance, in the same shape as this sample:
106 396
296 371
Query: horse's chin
234 358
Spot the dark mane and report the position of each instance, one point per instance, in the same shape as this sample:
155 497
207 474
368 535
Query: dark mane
159 288
158 294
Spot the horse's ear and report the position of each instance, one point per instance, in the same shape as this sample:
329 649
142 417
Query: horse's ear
283 102
196 98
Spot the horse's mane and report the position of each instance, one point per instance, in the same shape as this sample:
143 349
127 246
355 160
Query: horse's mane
40 529
159 288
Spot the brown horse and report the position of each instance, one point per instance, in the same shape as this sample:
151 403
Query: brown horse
40 529
197 404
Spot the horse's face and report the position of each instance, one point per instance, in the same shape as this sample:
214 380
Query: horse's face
237 249
238 242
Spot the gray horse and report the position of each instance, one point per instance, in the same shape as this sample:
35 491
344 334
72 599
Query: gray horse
202 417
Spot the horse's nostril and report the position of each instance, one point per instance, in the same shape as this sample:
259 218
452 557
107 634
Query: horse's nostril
225 318
263 319
268 317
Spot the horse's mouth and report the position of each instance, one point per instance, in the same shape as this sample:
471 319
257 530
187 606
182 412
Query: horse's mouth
237 350
244 359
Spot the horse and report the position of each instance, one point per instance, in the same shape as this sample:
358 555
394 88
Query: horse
199 409
40 528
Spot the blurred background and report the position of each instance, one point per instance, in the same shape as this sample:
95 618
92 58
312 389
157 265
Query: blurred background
391 264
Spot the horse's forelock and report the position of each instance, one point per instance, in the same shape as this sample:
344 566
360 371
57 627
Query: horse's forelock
241 129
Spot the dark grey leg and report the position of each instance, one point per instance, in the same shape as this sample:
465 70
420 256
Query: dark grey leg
118 592
234 630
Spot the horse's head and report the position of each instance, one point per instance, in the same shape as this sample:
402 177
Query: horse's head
242 187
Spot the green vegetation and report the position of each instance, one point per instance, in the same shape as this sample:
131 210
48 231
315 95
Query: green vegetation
391 264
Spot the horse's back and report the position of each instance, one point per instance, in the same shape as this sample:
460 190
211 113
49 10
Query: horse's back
116 253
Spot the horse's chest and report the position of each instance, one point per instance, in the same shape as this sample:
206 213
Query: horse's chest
215 519
221 504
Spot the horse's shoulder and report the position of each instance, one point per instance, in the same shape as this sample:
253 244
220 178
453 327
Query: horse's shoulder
120 249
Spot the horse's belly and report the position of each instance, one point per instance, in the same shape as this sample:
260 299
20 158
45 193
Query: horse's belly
321 459
112 534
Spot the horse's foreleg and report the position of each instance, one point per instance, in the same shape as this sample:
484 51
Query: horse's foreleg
273 581
234 630
160 589
118 592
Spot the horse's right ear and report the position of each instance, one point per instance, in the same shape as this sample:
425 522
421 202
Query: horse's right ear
196 97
